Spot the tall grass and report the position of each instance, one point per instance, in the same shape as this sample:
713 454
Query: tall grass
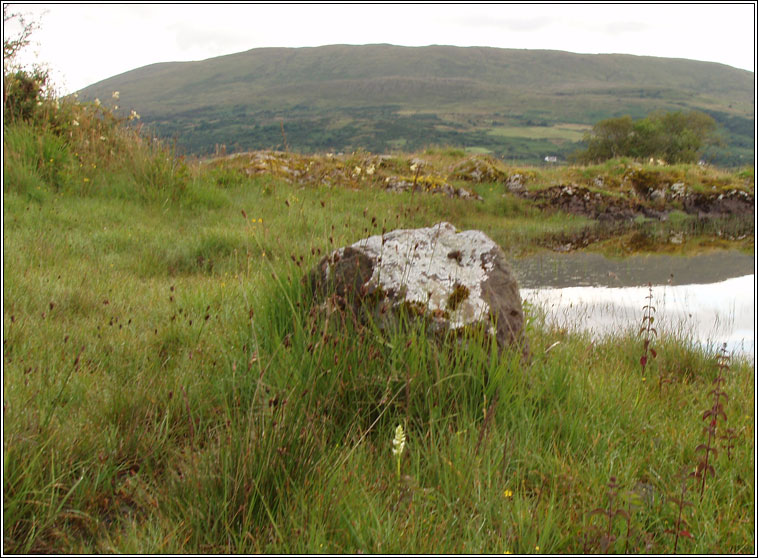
77 148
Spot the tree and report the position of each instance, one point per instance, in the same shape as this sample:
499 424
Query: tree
22 87
675 137
683 136
609 138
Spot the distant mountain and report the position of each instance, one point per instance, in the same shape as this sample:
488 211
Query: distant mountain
518 104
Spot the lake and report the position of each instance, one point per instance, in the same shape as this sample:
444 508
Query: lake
709 298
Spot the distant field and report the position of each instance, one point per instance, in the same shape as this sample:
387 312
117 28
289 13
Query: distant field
568 132
478 150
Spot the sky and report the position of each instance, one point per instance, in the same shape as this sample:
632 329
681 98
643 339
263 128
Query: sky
82 44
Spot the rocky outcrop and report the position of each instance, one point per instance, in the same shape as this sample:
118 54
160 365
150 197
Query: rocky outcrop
478 170
429 185
731 202
652 202
583 201
360 170
454 280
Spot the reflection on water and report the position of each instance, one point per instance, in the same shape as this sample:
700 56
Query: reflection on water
710 299
595 270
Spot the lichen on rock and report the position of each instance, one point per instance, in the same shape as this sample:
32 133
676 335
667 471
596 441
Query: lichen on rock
459 279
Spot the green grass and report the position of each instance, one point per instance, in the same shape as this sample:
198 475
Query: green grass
168 389
565 132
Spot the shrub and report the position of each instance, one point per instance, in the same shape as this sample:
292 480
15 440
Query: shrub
675 137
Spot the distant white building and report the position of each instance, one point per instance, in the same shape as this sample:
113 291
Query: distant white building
551 159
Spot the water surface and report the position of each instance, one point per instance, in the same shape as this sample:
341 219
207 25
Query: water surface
709 298
595 270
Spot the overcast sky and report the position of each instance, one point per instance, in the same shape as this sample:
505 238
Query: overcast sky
85 43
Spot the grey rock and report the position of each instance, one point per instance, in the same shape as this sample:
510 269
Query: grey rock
678 189
515 183
397 184
454 280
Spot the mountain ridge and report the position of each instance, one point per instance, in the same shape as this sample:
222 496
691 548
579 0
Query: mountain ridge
238 99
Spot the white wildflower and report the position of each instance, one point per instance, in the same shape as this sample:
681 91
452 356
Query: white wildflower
97 102
115 94
357 170
75 123
398 445
133 115
398 442
370 170
414 166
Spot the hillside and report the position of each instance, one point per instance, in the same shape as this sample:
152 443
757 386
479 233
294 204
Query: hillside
517 104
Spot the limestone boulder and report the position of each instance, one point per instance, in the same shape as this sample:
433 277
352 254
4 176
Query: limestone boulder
454 280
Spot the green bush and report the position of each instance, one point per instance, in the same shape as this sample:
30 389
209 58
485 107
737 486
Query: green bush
23 94
675 137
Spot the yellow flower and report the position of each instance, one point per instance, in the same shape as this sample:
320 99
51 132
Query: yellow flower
508 493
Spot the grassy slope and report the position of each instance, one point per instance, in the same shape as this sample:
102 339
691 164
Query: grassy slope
166 388
241 98
232 79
